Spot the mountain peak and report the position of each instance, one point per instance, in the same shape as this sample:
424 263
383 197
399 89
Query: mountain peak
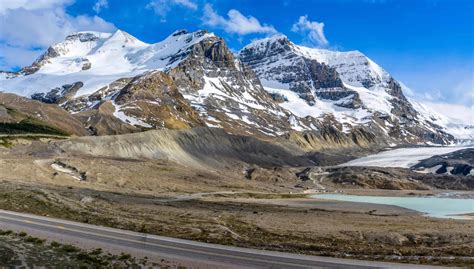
96 59
267 47
124 39
353 67
275 40
179 32
85 36
186 36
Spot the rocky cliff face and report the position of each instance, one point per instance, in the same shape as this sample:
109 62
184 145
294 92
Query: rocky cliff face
458 163
307 77
225 93
328 81
116 84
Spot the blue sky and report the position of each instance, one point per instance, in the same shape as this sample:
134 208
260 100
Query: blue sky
426 44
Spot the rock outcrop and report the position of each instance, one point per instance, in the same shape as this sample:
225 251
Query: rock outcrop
347 85
458 163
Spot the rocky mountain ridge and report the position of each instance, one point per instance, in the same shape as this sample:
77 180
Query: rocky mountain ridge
347 85
116 84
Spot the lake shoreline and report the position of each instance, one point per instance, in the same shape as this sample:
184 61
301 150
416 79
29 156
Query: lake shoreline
437 206
461 194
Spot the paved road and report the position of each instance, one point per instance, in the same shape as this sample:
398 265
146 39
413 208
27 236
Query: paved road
225 256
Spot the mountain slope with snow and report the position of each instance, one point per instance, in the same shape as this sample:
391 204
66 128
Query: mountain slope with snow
97 59
116 83
347 85
186 80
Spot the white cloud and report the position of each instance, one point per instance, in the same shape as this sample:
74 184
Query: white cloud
457 103
454 86
99 5
6 5
39 28
163 7
464 89
27 31
236 22
186 3
14 56
462 114
314 30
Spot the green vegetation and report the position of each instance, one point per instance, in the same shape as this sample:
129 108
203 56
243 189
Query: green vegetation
9 141
26 124
22 250
34 240
30 126
5 232
26 127
6 142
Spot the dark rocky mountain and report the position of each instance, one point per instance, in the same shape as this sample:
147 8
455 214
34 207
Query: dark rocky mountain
347 85
459 163
115 84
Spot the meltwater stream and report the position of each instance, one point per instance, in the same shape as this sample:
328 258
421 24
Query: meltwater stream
431 206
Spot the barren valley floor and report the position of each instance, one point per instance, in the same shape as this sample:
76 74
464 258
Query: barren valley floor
225 207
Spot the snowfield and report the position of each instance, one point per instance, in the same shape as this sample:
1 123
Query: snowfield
109 56
403 157
301 108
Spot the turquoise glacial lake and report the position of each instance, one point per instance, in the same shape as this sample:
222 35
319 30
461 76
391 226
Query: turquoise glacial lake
437 207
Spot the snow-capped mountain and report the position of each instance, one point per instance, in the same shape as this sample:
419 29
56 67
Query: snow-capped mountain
346 85
115 83
97 59
187 80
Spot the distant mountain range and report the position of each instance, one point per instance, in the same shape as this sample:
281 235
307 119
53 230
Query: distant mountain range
114 83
